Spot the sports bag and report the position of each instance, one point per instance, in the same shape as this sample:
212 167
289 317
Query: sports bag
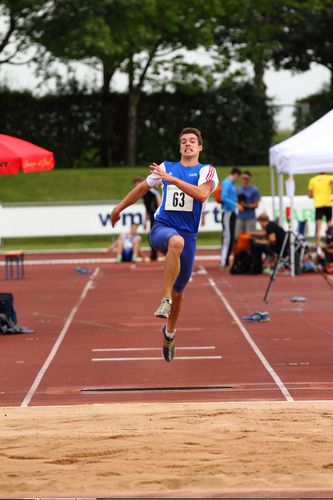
8 316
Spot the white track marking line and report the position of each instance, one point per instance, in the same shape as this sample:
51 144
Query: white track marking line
155 358
122 349
97 260
249 339
58 342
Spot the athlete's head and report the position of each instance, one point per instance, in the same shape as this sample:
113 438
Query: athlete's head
194 131
190 142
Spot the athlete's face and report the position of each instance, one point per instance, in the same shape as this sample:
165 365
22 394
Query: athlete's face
189 146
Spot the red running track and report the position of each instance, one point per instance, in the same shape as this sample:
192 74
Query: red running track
96 339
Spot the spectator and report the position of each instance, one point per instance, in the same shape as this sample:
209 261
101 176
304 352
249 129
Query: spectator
267 241
152 200
320 189
127 246
248 200
229 206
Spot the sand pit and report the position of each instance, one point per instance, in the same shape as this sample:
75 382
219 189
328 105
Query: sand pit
165 450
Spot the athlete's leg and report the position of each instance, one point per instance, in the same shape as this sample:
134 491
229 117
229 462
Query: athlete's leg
186 266
177 300
168 241
172 264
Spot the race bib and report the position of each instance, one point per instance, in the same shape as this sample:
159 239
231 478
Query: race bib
178 200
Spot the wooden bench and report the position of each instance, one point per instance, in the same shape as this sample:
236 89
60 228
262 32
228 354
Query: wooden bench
14 257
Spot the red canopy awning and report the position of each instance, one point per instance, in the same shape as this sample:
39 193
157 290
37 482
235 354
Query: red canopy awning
16 155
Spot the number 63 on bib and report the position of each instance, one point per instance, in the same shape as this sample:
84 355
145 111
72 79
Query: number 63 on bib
177 200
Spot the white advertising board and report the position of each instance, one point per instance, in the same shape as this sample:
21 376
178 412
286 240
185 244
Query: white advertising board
94 218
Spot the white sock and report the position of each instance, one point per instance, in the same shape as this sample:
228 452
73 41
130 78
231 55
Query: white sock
170 335
169 300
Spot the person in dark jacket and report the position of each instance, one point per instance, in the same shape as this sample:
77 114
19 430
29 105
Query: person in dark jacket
267 241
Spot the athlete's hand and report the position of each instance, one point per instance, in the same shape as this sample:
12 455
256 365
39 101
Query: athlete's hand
155 169
159 172
115 216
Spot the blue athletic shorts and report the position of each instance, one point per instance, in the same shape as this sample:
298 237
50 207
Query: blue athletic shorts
159 238
127 255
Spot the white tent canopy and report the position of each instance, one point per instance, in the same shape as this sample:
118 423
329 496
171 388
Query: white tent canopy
309 151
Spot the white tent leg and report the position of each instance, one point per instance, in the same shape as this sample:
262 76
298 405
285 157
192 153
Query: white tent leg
290 189
280 193
292 238
273 193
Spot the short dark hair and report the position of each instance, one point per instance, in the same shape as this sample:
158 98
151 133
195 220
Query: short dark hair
191 130
235 170
263 217
247 173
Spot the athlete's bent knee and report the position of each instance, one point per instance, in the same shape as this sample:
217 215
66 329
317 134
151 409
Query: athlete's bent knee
176 244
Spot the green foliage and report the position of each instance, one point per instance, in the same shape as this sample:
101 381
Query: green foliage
101 184
308 37
312 107
235 120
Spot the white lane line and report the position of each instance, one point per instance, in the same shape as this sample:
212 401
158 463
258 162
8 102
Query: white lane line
58 342
121 349
155 358
97 260
254 346
154 323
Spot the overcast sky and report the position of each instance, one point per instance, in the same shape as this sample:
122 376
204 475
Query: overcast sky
283 86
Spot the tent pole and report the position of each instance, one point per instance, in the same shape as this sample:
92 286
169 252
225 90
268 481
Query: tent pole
291 225
273 194
280 193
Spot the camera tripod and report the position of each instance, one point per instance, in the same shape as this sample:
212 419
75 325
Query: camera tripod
284 259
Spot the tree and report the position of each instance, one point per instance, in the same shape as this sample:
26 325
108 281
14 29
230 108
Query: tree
130 36
250 30
183 26
308 38
14 40
92 32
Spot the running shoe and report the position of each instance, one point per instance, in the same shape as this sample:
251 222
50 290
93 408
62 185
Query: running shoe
258 317
163 310
168 348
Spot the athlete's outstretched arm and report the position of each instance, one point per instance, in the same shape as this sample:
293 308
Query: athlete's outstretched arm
199 193
132 197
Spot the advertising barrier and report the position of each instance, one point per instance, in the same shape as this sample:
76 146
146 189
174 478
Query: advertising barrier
74 219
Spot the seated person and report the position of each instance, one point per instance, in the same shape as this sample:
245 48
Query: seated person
267 241
127 246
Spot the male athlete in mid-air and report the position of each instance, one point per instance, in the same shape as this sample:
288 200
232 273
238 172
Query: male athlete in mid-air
186 185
